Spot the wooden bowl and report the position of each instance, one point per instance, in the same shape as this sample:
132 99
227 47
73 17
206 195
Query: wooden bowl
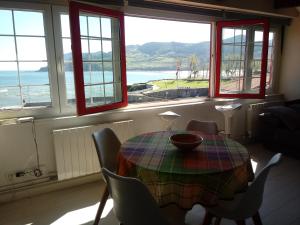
186 141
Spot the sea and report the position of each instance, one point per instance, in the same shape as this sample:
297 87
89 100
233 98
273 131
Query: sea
36 86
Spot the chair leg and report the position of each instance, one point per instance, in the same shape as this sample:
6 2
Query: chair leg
240 222
208 218
256 219
101 205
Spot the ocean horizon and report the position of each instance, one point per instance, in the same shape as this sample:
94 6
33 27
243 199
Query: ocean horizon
36 84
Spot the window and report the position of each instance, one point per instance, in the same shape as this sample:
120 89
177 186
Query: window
241 61
166 59
99 58
24 75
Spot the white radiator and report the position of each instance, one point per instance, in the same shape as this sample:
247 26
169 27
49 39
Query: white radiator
75 151
253 113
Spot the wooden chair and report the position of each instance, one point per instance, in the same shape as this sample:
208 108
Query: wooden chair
133 203
208 127
244 205
107 145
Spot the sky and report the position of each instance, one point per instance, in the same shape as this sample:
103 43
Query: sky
142 30
138 31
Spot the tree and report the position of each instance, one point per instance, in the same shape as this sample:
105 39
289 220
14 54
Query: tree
178 68
194 66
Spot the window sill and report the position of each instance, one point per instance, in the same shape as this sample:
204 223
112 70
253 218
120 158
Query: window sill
156 105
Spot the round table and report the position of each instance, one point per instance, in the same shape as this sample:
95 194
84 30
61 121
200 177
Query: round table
218 168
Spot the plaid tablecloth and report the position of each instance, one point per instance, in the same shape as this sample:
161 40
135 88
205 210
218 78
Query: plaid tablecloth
218 168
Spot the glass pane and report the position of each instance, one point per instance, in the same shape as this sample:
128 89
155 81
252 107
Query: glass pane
94 95
230 68
68 67
239 52
33 73
257 52
256 67
65 25
95 50
83 25
8 74
96 74
106 27
8 50
271 39
70 86
107 46
227 35
32 95
10 96
232 85
94 26
85 49
109 90
107 50
31 48
258 37
270 53
6 23
109 93
228 52
108 72
87 73
67 50
29 23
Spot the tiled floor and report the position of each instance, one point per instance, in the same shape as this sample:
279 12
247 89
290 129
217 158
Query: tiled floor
78 205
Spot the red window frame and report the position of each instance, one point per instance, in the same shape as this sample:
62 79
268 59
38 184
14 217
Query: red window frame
265 24
74 9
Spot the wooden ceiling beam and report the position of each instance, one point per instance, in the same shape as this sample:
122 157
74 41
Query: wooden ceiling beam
286 3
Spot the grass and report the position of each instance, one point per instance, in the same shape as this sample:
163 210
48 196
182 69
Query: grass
173 84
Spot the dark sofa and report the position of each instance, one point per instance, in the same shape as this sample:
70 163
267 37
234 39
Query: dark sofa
279 128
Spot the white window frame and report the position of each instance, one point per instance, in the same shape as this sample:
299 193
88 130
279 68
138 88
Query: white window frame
65 107
276 60
38 111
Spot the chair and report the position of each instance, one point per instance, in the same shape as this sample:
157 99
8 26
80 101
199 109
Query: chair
244 205
208 127
107 146
133 203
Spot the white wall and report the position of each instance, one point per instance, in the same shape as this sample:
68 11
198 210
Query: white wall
290 66
17 151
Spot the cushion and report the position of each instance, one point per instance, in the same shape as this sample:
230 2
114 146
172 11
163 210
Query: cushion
289 117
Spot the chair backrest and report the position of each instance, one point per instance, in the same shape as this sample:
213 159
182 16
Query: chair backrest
208 127
107 146
133 203
252 199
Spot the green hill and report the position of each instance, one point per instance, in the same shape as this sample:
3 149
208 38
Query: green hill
167 55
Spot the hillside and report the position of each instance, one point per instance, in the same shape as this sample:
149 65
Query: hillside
166 55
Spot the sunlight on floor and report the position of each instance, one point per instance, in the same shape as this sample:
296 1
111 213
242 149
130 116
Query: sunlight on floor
254 165
83 215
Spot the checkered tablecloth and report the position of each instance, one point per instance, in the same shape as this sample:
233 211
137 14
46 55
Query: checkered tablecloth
218 168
